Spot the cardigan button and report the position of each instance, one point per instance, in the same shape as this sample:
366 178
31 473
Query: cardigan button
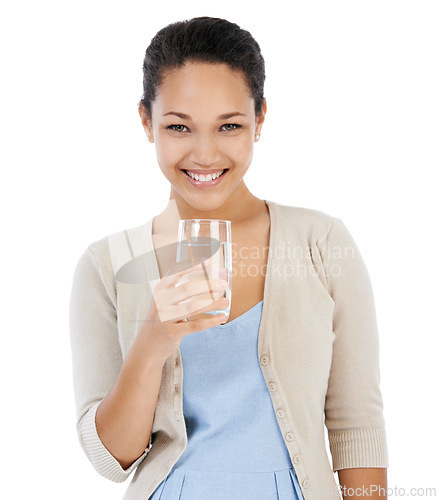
280 413
264 360
306 483
296 459
272 386
289 436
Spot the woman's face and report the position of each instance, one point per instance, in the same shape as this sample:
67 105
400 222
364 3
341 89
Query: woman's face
193 130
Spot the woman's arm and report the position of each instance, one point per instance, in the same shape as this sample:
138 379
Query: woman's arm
115 437
353 405
115 398
363 482
124 419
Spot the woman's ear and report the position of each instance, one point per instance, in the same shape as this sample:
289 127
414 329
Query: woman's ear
146 121
259 120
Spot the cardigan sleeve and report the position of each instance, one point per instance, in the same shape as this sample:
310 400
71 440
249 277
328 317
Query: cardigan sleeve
97 359
353 405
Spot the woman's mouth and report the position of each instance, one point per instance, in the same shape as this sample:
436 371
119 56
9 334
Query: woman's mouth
205 180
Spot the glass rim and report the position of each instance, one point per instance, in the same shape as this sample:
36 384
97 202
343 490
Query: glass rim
204 221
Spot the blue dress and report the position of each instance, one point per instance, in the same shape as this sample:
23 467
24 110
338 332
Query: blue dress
235 448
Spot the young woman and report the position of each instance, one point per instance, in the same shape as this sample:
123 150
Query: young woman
211 408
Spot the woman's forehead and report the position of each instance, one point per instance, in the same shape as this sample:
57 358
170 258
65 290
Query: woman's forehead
215 88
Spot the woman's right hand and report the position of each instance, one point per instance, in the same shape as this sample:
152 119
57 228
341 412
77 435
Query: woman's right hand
165 325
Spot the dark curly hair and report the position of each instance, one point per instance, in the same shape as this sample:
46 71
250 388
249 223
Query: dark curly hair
203 39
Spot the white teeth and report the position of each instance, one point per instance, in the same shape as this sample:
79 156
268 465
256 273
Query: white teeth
204 178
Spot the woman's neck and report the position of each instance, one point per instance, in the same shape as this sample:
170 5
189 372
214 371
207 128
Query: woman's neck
241 206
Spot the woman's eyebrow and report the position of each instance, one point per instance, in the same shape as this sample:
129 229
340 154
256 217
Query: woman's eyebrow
224 116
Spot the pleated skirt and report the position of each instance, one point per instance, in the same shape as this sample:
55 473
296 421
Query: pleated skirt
235 448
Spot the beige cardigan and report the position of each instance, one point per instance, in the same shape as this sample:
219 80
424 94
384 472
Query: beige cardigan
318 350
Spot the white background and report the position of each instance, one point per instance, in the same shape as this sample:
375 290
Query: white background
350 130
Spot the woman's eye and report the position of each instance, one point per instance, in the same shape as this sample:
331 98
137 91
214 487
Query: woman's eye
180 128
176 129
234 125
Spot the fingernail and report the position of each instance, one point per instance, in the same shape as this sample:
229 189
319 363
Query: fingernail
224 284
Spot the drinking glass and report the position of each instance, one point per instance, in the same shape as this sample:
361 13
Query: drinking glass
207 241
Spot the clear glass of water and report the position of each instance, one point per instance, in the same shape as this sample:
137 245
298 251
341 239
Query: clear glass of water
207 241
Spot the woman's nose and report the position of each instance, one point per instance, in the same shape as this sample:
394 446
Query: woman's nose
204 151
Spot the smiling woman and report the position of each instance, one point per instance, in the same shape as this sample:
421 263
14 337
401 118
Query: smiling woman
234 411
205 140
